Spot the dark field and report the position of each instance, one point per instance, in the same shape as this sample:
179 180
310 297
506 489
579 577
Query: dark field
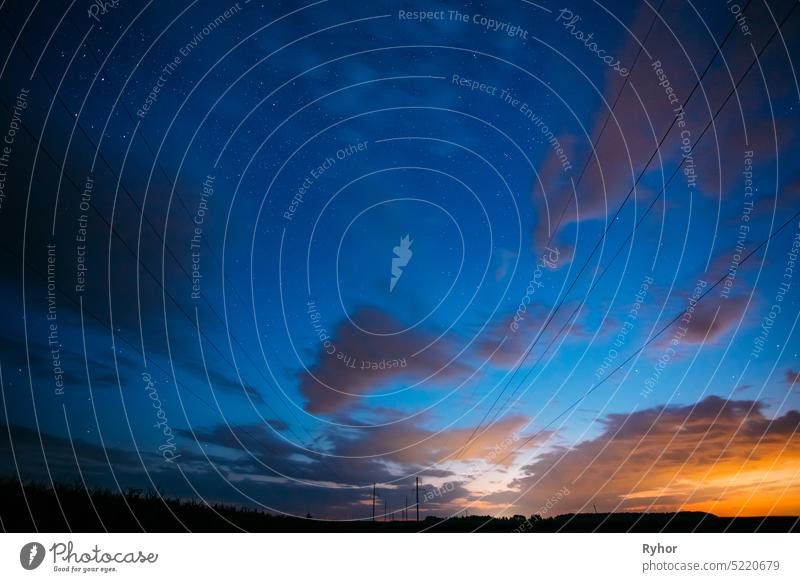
68 508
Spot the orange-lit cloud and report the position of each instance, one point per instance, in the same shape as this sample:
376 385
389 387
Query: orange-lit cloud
410 444
722 456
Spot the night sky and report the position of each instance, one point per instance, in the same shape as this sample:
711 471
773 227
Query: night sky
544 257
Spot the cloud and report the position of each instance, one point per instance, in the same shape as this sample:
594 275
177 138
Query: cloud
414 445
505 343
37 455
103 373
711 320
643 113
707 320
256 452
792 377
230 385
363 362
359 457
624 143
445 499
721 456
505 259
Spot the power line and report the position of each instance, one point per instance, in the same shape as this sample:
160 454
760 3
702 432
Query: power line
173 186
660 193
651 340
613 220
567 204
644 215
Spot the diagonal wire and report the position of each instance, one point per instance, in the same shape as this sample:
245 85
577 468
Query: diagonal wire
610 225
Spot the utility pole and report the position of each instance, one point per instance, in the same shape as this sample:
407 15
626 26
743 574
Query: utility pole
385 510
405 510
373 501
417 499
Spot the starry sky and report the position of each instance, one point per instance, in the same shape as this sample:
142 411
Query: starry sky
543 257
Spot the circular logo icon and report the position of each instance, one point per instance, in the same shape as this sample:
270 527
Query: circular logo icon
31 555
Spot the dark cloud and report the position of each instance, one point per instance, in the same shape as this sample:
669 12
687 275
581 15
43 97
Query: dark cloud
231 385
226 477
258 451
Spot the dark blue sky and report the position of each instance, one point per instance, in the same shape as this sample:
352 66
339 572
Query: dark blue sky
225 189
